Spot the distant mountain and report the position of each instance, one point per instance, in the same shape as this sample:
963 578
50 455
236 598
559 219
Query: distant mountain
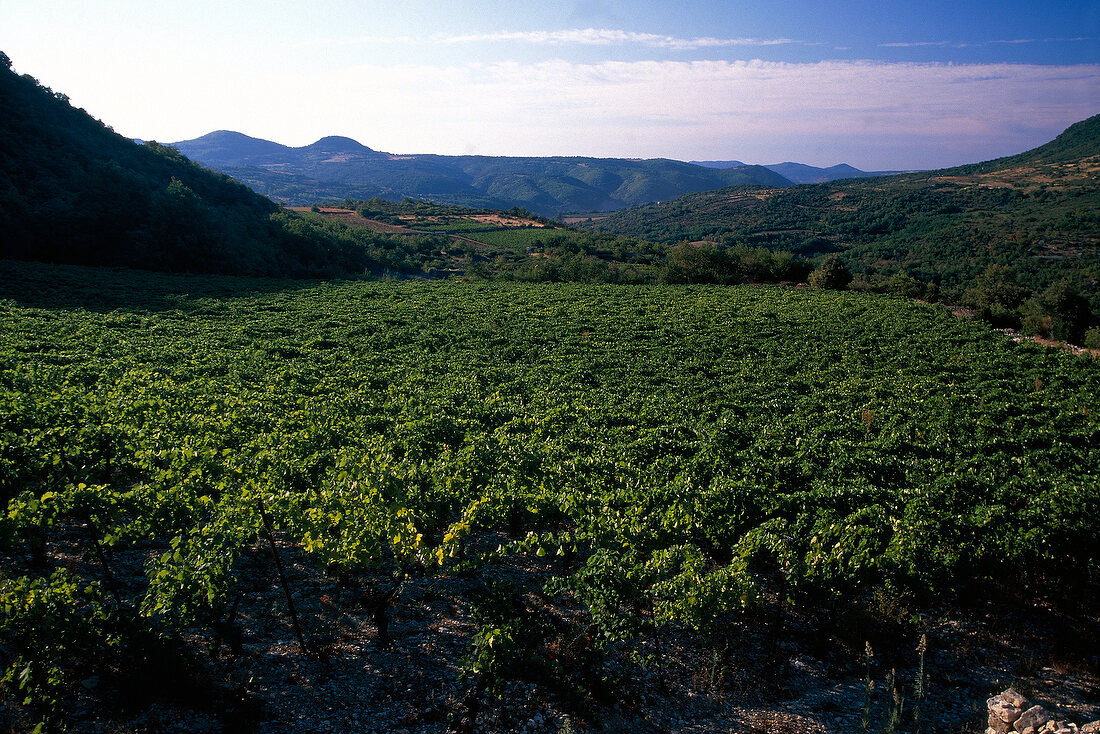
719 164
803 174
800 173
73 191
335 168
227 148
1035 211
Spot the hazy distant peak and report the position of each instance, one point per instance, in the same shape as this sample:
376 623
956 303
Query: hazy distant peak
236 139
844 168
718 164
227 147
800 173
803 174
338 144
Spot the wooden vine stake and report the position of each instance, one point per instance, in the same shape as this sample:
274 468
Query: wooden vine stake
282 576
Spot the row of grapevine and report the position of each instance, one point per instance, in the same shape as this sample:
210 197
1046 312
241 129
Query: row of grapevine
679 449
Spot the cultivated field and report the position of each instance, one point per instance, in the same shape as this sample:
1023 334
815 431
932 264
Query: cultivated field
658 506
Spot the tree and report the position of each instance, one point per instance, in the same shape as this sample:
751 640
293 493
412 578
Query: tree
997 285
831 275
1034 319
1069 309
905 285
698 263
1092 338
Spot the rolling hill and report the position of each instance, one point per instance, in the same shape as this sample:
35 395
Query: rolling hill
1037 212
337 168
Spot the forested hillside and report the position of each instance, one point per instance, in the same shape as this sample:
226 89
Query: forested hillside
1036 213
74 191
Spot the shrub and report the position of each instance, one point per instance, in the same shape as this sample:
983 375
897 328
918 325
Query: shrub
831 275
1092 338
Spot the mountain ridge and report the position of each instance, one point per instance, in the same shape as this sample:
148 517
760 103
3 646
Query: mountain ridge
546 185
802 173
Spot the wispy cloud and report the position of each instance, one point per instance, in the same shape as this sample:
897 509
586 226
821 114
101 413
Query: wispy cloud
916 44
610 37
570 37
999 42
871 114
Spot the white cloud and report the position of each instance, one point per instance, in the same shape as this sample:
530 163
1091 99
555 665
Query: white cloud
750 110
606 37
871 114
982 44
570 37
915 44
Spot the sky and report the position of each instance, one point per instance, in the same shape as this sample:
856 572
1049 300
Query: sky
881 85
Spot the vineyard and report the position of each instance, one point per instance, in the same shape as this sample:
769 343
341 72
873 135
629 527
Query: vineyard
598 470
514 240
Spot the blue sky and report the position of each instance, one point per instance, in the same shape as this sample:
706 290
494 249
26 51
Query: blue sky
879 85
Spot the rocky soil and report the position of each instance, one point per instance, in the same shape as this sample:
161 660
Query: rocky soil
769 670
1011 713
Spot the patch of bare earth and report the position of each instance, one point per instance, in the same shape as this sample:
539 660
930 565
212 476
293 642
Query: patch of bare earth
753 196
498 220
585 218
1028 176
504 221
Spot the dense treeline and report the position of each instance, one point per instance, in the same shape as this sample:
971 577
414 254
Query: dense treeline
579 257
1058 312
536 249
73 191
706 263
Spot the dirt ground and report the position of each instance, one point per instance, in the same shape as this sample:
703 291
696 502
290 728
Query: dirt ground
769 670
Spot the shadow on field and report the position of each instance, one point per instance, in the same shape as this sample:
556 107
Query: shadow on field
101 289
